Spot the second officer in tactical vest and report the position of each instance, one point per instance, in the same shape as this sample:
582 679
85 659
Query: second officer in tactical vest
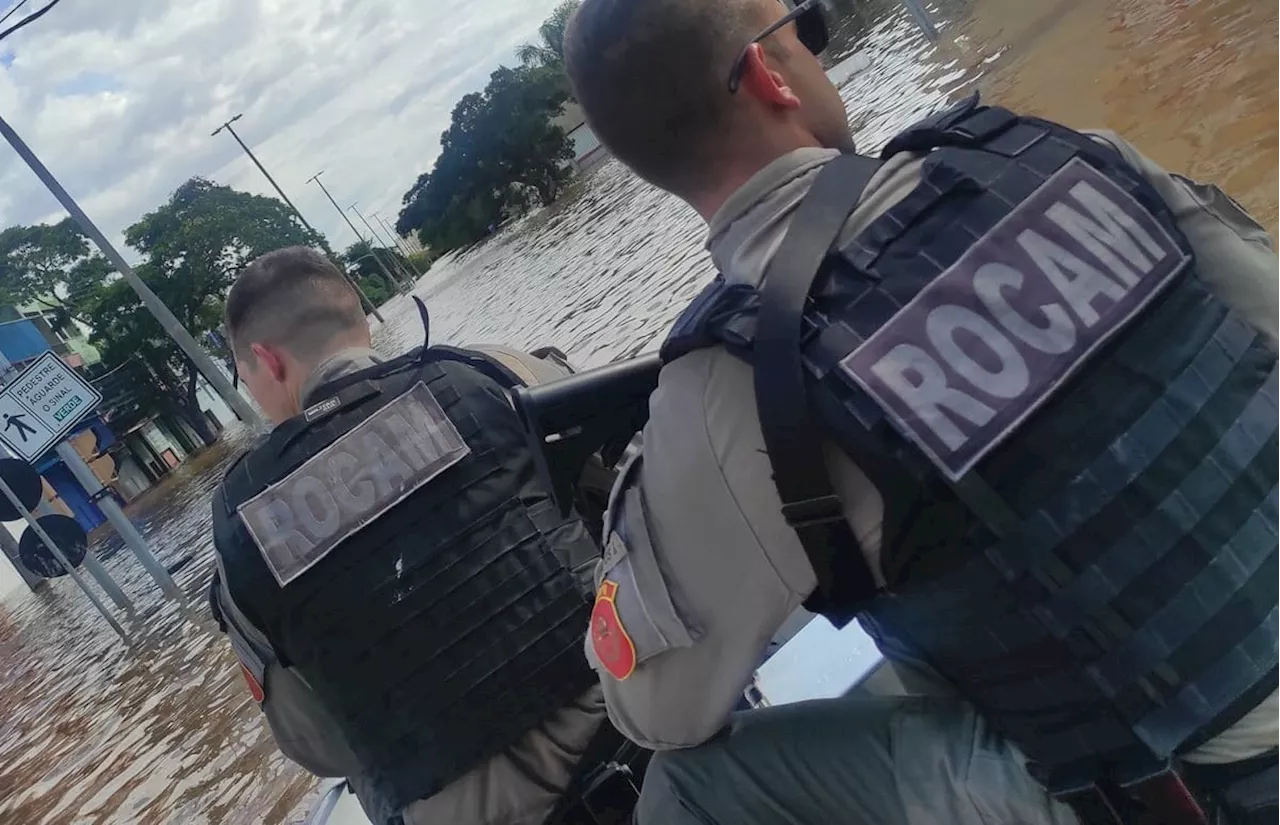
404 600
1006 392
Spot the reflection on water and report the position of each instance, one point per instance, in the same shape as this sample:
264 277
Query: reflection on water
92 733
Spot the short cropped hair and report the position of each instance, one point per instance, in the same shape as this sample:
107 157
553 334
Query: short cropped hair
651 76
294 298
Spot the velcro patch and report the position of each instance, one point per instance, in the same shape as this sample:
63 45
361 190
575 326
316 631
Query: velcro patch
321 410
300 519
992 338
614 551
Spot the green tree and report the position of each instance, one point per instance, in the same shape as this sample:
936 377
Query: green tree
548 53
363 268
500 155
37 262
192 247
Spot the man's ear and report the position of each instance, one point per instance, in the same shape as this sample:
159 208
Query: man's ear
765 83
270 360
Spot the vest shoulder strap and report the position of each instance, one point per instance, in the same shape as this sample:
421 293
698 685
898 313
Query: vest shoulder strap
698 327
490 366
809 502
966 123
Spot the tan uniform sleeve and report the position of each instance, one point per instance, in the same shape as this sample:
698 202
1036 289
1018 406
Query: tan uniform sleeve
1233 253
703 508
733 568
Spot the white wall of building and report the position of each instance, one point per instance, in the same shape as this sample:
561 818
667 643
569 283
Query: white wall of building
584 141
211 401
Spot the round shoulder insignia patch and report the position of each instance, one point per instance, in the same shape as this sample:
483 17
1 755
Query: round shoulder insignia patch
609 638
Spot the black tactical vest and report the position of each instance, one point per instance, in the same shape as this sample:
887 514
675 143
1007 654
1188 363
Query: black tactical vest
392 544
1074 438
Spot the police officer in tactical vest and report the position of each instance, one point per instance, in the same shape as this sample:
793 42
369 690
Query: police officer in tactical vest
405 603
1005 392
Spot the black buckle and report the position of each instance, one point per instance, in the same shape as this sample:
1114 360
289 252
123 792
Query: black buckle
813 511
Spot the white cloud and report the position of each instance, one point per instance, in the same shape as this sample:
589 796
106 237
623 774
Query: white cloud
119 98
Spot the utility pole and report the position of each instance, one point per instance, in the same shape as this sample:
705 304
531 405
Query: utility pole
35 527
168 322
400 244
391 233
368 305
391 279
409 279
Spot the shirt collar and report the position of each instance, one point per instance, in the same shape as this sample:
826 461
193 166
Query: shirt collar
763 183
743 233
341 363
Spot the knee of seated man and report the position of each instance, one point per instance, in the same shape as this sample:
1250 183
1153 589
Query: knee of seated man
670 780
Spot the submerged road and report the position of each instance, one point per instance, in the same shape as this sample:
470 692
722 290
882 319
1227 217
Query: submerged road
93 733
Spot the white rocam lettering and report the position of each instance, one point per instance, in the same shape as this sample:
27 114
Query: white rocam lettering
928 394
1079 291
320 522
353 491
385 465
1055 337
1091 236
1013 377
1114 227
277 533
413 443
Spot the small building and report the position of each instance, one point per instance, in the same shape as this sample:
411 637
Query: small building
588 152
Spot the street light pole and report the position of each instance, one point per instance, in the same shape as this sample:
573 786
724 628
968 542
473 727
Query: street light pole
176 331
391 233
400 244
368 305
399 266
316 180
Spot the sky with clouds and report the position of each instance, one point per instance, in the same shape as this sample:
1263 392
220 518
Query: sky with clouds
118 98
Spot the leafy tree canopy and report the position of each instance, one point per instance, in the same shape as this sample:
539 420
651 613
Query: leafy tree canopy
363 268
192 247
500 155
548 52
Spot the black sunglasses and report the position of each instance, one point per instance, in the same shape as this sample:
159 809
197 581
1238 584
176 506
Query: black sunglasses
811 29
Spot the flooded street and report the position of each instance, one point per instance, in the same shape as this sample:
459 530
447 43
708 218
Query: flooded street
91 732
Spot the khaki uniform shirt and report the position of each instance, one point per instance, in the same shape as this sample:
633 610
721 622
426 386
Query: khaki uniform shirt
516 787
705 542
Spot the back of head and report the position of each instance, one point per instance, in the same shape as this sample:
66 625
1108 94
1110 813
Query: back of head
651 77
296 300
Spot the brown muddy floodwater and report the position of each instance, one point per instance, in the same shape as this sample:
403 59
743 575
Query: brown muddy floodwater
91 732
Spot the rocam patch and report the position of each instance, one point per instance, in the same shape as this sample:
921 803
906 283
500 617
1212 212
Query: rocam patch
992 338
298 520
609 638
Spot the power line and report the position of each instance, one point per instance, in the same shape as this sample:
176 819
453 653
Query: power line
11 12
30 18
